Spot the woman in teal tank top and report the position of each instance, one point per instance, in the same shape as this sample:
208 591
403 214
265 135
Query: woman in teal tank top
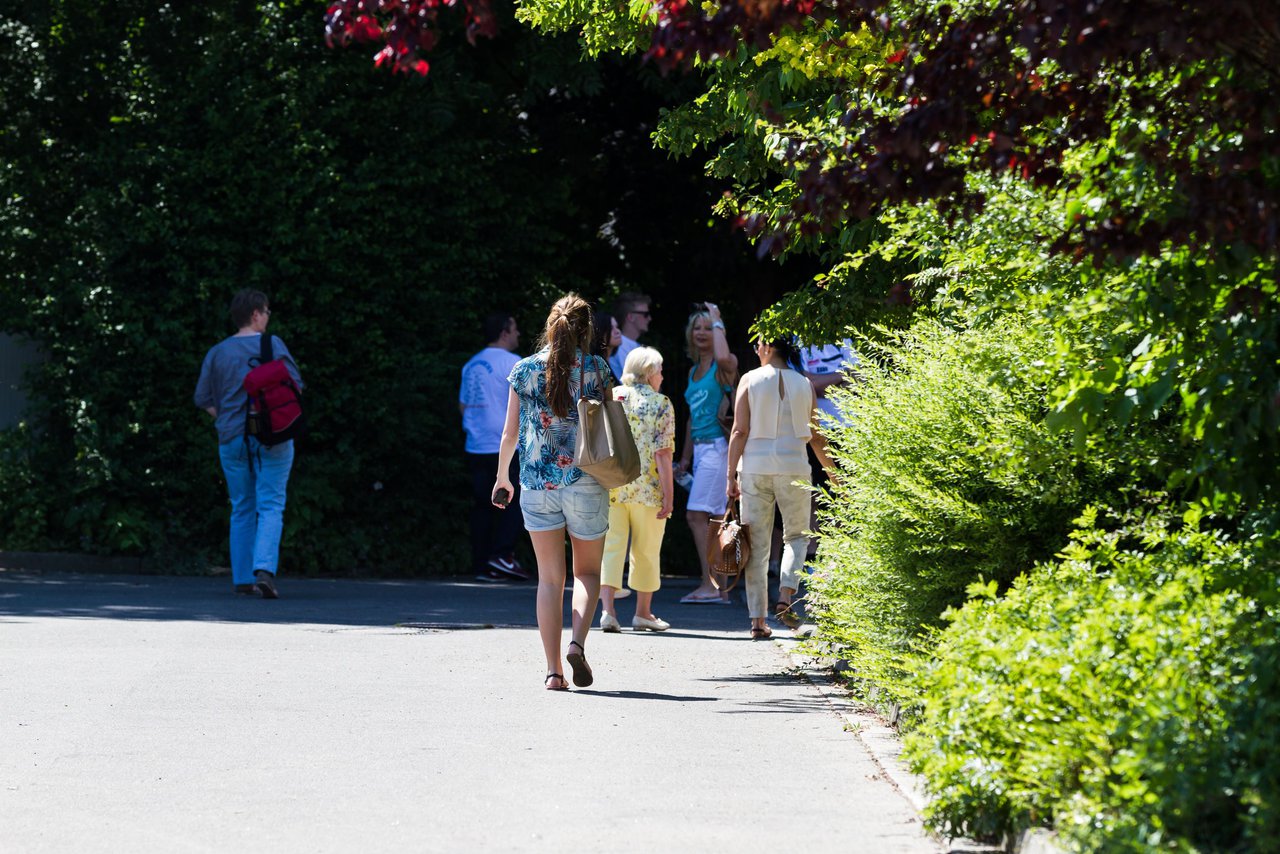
706 447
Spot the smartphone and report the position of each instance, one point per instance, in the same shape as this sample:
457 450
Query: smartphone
502 498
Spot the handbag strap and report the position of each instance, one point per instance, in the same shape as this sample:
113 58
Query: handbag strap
731 512
582 378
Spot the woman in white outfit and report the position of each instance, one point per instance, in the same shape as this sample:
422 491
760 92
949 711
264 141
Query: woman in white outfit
768 467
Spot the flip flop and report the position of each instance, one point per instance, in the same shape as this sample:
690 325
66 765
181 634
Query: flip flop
578 661
690 599
562 686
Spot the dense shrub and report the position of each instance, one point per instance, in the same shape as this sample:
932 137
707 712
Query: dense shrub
949 475
1126 693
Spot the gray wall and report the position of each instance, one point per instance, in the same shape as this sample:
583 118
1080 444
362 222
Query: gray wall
15 356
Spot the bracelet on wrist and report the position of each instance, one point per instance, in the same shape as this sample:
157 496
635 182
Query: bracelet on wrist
718 325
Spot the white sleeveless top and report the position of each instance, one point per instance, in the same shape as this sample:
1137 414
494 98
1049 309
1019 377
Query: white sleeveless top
779 427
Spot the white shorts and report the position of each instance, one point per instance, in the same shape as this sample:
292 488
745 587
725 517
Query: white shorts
710 470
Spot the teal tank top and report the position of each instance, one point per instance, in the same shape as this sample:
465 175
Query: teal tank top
703 397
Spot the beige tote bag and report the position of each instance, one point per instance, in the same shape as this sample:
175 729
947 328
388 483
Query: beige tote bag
605 448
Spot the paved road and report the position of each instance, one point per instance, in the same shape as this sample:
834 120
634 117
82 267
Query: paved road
163 714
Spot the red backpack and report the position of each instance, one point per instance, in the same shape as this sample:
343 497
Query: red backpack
275 402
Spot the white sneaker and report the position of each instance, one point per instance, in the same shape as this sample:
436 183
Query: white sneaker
609 623
657 624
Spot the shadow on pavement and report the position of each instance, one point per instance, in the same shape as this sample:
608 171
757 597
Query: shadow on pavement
644 695
340 602
785 678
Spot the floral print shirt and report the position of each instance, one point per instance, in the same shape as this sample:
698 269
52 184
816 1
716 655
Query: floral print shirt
545 441
653 425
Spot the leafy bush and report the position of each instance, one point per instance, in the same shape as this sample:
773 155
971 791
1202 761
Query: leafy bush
1126 693
949 475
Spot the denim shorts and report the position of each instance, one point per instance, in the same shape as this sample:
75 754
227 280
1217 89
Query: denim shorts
583 508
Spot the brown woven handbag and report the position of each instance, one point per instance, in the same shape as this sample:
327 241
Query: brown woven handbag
728 547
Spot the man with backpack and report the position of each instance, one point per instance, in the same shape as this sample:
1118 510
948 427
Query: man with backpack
255 436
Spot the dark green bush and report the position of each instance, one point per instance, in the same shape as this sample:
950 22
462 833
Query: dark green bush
949 475
157 157
1126 694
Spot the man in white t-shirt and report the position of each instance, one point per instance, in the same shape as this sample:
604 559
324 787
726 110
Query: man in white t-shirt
483 403
827 365
631 310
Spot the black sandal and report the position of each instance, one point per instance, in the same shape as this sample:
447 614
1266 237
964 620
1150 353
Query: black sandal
563 686
578 661
761 633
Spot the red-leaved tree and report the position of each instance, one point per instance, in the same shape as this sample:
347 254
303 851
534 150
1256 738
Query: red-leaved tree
406 29
1187 87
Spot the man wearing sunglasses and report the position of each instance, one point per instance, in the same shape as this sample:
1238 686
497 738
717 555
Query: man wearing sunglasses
631 310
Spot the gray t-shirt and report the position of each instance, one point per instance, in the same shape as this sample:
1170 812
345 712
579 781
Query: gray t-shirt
221 383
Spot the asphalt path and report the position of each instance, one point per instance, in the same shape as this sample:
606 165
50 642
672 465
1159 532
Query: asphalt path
143 713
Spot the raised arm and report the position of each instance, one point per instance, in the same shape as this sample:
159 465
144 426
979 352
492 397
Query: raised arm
726 362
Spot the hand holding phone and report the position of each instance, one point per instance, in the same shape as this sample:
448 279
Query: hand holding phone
501 498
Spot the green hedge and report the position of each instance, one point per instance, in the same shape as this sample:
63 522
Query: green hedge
948 476
157 157
1126 694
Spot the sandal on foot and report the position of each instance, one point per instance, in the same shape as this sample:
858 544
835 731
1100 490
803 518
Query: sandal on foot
559 686
761 633
786 615
578 661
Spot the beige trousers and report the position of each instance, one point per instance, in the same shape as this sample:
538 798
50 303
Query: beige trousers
641 524
760 494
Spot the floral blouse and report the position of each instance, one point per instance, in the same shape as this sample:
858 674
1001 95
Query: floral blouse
653 425
545 441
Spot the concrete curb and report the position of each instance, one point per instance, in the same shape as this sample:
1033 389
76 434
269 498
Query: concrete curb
882 742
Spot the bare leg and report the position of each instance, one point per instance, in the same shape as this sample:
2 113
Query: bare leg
548 547
606 600
644 601
586 584
698 520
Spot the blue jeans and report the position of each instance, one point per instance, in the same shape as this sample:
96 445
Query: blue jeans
256 480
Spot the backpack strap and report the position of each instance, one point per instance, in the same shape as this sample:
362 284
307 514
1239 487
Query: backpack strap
264 354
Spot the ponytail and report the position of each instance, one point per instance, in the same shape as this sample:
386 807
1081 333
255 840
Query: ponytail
568 330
